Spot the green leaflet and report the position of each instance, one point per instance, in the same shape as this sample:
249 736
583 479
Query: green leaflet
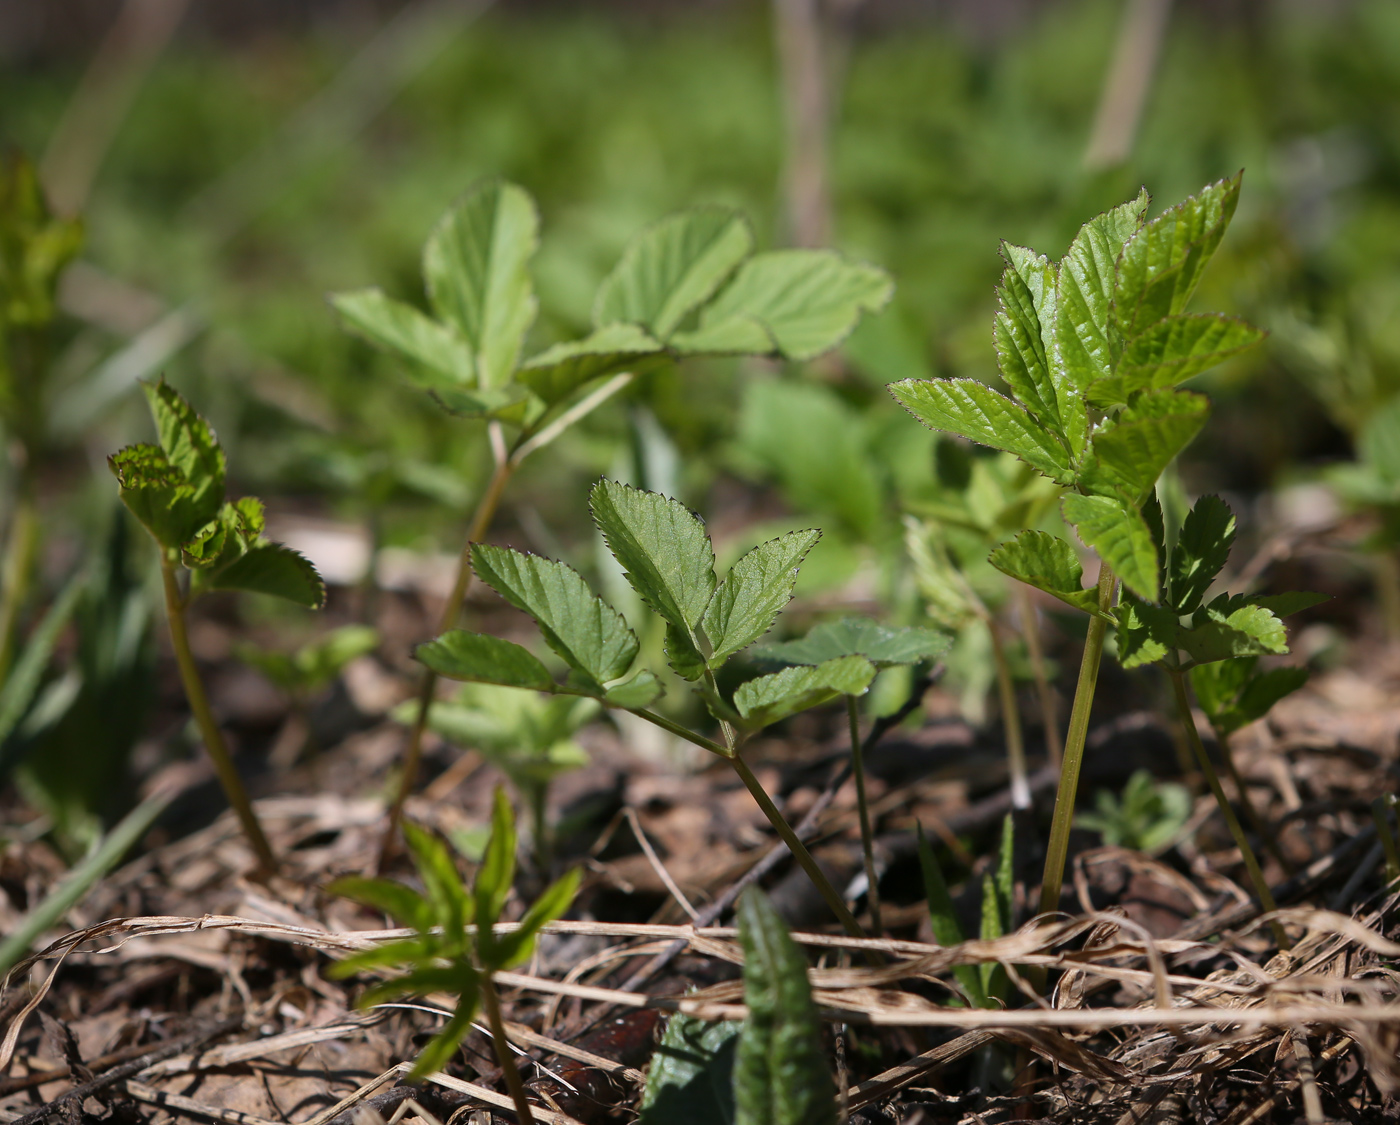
460 655
160 496
1048 563
1162 263
997 903
589 634
186 438
1146 633
315 664
642 690
770 698
476 266
943 918
746 603
978 413
880 644
1378 444
780 1072
1120 535
1128 453
1219 632
270 568
1172 351
798 303
557 372
1087 342
1201 551
397 327
1016 331
691 1077
667 557
672 268
1233 694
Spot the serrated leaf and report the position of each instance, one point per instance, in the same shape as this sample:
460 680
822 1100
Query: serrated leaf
1283 605
589 634
188 441
402 329
1172 351
642 690
798 303
271 568
1201 552
666 557
1048 563
1121 537
747 602
1087 341
1129 453
768 699
476 265
158 495
976 412
484 659
1233 695
780 1071
1146 633
1162 263
557 372
1017 331
691 1077
672 268
882 645
1220 632
943 919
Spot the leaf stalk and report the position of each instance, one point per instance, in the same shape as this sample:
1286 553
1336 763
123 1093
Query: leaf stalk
492 1003
867 836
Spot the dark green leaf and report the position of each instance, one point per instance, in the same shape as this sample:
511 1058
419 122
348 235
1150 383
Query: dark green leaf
691 1077
1146 633
1202 550
582 628
1285 605
496 874
753 593
556 373
270 568
1048 563
23 678
442 1046
1264 690
856 636
771 698
1172 351
385 955
1128 453
1121 537
976 412
943 917
780 1071
403 904
1378 444
188 441
451 906
401 328
460 655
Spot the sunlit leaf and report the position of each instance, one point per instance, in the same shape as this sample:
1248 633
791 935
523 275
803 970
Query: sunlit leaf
460 655
1048 563
1172 351
270 568
753 593
402 329
882 645
768 699
1120 535
556 373
1128 453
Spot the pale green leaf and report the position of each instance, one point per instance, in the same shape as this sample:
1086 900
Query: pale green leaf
401 328
1378 444
672 268
187 439
798 303
1017 334
753 593
1162 263
476 265
405 905
642 690
880 644
514 948
452 908
1172 351
770 698
978 413
1219 634
495 875
270 568
1128 453
1048 563
1201 551
1121 537
460 655
557 372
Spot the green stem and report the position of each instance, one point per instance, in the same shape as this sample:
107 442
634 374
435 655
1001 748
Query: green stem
1010 721
1049 716
175 603
492 1003
1057 851
1256 822
867 837
1256 876
21 546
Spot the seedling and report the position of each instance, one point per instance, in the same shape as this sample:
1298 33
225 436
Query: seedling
1147 818
689 286
528 737
176 490
884 648
1092 350
668 559
456 948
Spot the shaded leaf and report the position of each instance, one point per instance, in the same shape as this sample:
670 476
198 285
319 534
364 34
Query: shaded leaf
443 1046
270 568
495 875
753 593
943 918
768 699
1233 694
460 655
882 645
642 690
1048 563
452 908
1146 633
1121 537
1201 552
405 905
513 948
557 372
691 1077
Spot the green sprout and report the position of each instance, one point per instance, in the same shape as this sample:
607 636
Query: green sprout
1147 818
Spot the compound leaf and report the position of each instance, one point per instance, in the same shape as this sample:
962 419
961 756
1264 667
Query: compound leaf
397 327
880 644
1172 351
976 412
768 699
1162 262
1121 537
1220 632
556 373
1146 633
1048 563
780 1071
476 265
753 593
589 634
1128 453
667 558
1202 549
271 568
484 659
798 303
672 268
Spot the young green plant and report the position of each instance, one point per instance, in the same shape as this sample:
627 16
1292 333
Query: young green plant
1148 817
455 948
883 647
176 490
1092 350
668 559
689 286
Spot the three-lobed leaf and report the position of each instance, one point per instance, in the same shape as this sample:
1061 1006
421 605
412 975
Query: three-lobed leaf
397 327
1170 352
